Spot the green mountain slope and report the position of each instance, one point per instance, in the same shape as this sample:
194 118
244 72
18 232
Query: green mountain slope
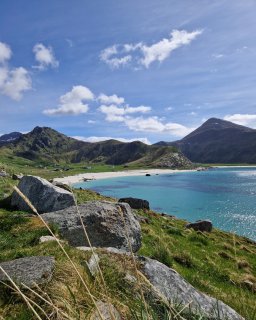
50 146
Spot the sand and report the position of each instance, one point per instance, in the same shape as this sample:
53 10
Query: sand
105 175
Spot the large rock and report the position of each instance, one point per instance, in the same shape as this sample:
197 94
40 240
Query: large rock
177 290
201 225
136 203
44 196
104 223
29 270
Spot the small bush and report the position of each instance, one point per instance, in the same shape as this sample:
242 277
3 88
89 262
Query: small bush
162 254
198 238
184 259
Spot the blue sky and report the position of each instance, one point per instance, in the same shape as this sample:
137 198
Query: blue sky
144 69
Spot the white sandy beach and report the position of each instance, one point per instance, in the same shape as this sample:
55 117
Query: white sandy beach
105 175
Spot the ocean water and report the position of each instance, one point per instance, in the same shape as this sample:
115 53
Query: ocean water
226 196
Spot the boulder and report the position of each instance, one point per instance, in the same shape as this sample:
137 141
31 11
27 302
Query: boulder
61 185
29 270
104 223
136 203
170 285
93 264
201 225
107 312
44 196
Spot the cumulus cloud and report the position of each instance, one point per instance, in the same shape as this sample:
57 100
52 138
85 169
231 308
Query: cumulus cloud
154 124
45 57
72 103
5 52
98 139
114 99
144 55
242 119
13 81
123 115
161 50
108 56
116 114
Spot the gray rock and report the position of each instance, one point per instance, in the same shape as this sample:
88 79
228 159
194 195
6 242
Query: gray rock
29 270
61 185
93 264
107 311
201 225
136 203
175 289
46 239
42 194
104 224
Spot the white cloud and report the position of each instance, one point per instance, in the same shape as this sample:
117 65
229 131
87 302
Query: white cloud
162 49
169 108
13 81
72 102
142 54
192 113
154 124
217 55
91 121
116 114
45 57
5 52
108 56
98 139
114 99
242 119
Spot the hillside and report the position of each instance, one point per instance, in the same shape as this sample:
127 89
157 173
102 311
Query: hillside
219 264
218 141
49 146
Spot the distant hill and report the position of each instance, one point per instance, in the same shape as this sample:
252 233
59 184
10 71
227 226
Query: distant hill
218 141
10 137
46 144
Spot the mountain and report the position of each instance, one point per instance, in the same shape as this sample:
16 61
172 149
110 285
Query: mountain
218 141
48 145
10 137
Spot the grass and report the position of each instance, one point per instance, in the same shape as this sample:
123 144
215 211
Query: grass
217 263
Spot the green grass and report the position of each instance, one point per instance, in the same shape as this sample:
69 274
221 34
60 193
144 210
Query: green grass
216 263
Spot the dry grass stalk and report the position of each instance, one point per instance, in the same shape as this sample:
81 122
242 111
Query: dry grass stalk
94 256
62 248
25 298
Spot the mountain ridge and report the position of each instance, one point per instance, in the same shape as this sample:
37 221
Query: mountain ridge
44 143
218 141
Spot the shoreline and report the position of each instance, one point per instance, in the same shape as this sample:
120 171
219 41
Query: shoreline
115 174
80 177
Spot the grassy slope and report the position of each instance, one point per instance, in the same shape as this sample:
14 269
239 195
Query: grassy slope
216 263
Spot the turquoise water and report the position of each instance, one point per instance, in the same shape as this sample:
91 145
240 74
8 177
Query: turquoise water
225 196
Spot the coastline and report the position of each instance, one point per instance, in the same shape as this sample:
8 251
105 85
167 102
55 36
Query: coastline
115 174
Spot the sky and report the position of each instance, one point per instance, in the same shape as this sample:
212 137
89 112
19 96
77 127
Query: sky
129 70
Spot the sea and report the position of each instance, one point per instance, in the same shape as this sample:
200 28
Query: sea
226 196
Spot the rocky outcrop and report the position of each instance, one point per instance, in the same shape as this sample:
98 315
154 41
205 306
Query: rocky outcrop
107 225
136 203
29 270
170 285
44 196
200 225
